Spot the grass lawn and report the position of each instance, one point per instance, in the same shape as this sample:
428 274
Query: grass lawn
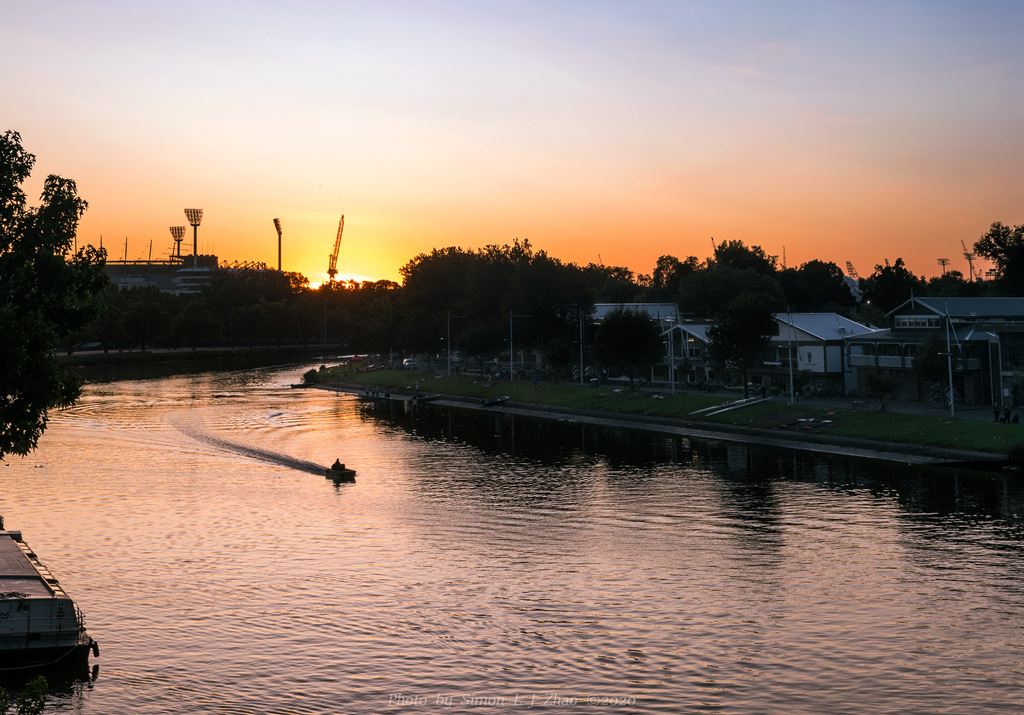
936 431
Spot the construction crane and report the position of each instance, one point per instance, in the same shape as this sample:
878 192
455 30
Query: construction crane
851 271
332 267
970 259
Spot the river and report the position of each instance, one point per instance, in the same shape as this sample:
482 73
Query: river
488 564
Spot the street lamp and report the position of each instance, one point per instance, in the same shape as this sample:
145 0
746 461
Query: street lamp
511 352
671 353
449 343
277 225
582 336
194 216
178 232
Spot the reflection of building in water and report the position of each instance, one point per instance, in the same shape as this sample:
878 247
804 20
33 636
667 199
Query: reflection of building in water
175 275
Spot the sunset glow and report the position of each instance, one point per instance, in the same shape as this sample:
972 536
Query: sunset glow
601 132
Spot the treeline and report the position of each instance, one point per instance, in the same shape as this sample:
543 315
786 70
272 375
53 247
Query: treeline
483 298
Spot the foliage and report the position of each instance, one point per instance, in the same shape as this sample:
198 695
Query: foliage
31 701
1004 246
628 341
952 284
742 333
706 292
816 286
737 255
482 290
880 383
890 286
668 273
930 359
49 293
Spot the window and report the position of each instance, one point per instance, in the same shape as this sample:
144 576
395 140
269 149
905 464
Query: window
917 321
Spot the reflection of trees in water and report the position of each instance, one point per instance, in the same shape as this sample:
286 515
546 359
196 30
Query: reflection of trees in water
749 473
550 441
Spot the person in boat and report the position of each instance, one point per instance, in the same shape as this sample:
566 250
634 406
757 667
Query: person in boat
338 466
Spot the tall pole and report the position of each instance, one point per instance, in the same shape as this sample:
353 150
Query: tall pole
195 217
511 352
449 343
277 225
949 364
672 358
177 233
790 354
581 347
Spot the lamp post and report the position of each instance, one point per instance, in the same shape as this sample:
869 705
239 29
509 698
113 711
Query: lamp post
792 357
195 217
581 347
449 342
277 225
949 365
511 352
672 353
178 232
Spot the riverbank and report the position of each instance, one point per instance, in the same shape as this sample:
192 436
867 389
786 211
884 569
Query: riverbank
99 366
847 427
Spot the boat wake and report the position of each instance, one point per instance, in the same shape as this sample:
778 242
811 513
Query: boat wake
192 426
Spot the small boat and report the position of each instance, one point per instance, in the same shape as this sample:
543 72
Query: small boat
41 628
490 401
340 473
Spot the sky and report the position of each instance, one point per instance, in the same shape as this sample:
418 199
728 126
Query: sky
602 132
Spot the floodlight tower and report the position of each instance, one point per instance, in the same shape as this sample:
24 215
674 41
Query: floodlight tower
195 217
178 232
277 225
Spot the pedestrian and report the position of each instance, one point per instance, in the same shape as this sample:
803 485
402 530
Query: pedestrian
995 412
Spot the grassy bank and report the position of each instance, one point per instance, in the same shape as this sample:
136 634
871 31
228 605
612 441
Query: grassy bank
922 430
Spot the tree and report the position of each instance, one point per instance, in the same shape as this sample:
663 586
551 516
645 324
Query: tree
737 255
742 333
1004 246
880 383
890 286
930 358
31 701
816 286
706 292
46 294
668 272
627 341
952 284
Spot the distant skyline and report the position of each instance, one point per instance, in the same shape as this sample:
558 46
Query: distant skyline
608 132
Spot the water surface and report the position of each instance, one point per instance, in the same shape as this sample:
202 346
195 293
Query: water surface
490 564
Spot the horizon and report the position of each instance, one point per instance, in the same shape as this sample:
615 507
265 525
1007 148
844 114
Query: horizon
601 133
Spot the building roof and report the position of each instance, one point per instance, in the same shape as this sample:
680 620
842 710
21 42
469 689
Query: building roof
960 334
973 308
697 330
824 326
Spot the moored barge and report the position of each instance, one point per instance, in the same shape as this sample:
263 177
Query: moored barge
41 627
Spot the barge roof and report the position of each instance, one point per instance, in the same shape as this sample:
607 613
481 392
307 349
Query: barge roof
22 573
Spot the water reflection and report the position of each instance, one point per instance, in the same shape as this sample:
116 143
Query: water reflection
487 554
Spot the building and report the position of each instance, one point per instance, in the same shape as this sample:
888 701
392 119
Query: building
809 350
983 339
181 276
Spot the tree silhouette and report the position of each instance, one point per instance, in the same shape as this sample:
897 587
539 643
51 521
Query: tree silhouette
48 293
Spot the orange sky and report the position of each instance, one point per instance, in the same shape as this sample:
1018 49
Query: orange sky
600 131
